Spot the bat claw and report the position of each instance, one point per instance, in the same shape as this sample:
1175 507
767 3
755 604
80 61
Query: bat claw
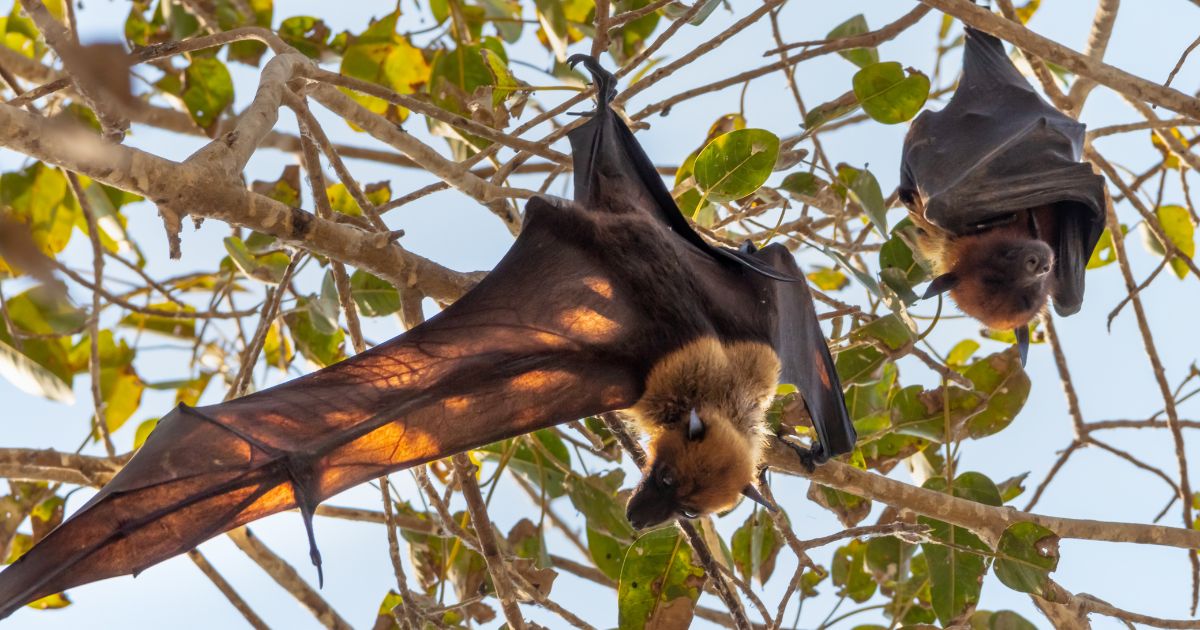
810 458
605 82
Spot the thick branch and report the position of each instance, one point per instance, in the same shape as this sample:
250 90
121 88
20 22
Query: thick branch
1084 66
191 187
986 520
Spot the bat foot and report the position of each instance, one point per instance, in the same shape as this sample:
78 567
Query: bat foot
606 83
810 458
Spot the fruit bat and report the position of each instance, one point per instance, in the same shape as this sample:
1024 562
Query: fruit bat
595 298
1004 209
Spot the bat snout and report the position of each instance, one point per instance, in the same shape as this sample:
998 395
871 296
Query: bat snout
1037 265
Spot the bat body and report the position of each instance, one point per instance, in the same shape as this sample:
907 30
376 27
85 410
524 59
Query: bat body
1005 211
595 298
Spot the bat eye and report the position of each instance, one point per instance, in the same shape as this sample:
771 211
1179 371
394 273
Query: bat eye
695 429
688 513
666 478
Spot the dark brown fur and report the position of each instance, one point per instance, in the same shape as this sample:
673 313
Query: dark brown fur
730 385
984 269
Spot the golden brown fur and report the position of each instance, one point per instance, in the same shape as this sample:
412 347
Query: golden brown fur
985 286
730 386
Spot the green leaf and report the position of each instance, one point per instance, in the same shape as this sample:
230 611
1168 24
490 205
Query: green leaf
1025 556
1012 487
266 268
856 25
190 391
863 188
324 308
830 111
999 620
305 33
321 349
754 547
803 183
382 56
887 95
121 390
687 196
38 197
595 496
374 296
828 279
961 352
1104 254
849 572
659 582
860 364
630 39
885 557
51 602
1004 386
850 509
736 164
277 349
898 255
42 310
890 330
228 17
956 573
285 190
339 198
607 553
1179 229
32 377
207 91
143 432
543 464
184 328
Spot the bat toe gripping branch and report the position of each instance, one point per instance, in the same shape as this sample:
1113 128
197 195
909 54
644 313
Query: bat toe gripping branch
811 457
605 82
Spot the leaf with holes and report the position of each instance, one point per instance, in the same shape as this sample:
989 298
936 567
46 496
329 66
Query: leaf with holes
660 582
207 91
1025 557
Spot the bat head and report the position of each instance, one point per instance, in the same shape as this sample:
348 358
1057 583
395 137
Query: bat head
699 464
999 279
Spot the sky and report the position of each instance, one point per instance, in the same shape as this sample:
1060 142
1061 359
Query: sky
1110 368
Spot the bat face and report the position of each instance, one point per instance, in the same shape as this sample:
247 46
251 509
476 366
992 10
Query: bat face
1001 276
1002 281
704 409
700 466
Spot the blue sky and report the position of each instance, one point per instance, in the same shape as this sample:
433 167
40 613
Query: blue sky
1110 369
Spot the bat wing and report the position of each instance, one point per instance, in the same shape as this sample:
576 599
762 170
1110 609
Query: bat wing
804 355
612 170
545 338
998 148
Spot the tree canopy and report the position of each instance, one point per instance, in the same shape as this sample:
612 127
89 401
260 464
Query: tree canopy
206 197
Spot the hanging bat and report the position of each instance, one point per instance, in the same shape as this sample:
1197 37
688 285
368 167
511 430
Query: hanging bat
1005 211
595 298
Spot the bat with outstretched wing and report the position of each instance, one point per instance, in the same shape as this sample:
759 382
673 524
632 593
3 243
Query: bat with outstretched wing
593 299
1006 212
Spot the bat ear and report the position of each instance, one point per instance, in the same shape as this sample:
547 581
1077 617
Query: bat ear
695 428
940 285
754 495
1022 333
